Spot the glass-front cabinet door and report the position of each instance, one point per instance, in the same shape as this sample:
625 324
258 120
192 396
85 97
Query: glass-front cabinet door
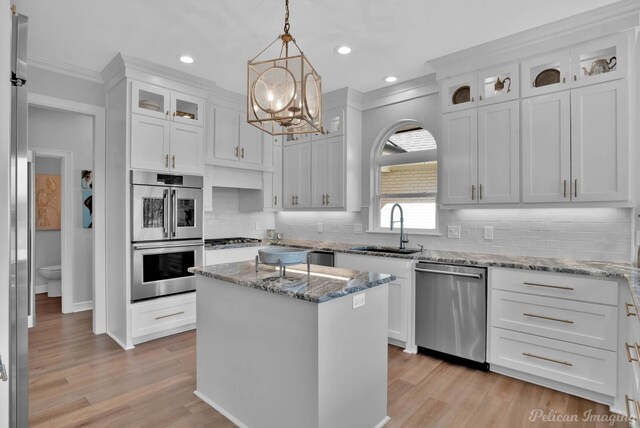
600 60
150 209
459 93
186 108
545 74
150 100
498 84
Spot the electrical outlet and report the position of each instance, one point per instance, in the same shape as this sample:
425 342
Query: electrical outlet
488 232
357 228
453 232
358 300
319 227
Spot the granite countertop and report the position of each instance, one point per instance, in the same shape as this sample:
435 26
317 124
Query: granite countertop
626 271
239 245
321 285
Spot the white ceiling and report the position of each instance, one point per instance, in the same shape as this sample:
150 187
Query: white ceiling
387 36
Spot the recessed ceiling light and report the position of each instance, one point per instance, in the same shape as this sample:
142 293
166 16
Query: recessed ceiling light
390 79
343 50
185 59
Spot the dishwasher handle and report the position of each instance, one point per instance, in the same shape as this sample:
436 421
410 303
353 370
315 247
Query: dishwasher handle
442 272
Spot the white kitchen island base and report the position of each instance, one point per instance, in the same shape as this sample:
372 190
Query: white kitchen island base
270 360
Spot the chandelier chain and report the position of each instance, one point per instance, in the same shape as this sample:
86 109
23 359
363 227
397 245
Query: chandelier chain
286 17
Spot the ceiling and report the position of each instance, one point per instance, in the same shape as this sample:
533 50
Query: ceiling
388 37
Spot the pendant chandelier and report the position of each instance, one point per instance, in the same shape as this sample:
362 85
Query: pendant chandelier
284 94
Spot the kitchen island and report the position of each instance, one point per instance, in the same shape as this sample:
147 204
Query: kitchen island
306 350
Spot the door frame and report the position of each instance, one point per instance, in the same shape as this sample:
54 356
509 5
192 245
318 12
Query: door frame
67 242
99 197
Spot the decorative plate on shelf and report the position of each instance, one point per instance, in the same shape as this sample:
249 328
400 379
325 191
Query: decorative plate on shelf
547 77
149 105
461 95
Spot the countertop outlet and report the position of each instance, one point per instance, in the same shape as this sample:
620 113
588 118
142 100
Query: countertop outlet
453 232
488 232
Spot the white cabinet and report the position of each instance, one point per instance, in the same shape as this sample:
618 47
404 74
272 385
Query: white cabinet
556 330
231 255
234 139
575 145
327 173
598 61
459 93
296 167
163 103
488 86
480 155
272 181
599 142
162 145
400 309
163 316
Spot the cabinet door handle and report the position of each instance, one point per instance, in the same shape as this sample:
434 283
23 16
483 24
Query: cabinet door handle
575 78
293 200
242 152
173 161
236 151
547 318
564 191
564 363
328 199
480 97
166 161
564 80
472 99
628 349
166 115
629 313
297 200
575 188
275 200
473 192
480 191
324 199
174 114
560 287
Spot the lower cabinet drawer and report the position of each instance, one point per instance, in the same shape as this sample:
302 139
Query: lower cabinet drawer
576 365
583 323
162 314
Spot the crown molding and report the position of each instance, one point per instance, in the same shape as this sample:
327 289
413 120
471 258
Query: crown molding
610 19
399 92
65 68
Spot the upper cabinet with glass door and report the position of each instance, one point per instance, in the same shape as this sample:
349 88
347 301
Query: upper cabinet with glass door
498 84
459 93
598 61
162 103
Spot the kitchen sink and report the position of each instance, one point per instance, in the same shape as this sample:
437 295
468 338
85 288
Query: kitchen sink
393 250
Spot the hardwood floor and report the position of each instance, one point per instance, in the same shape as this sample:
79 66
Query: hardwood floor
79 379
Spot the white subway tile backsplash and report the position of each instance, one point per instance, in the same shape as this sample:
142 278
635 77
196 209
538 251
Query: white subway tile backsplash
582 233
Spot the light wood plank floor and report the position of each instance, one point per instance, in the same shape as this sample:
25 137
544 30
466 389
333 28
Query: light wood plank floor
79 379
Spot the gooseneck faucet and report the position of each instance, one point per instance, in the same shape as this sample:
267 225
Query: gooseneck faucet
403 238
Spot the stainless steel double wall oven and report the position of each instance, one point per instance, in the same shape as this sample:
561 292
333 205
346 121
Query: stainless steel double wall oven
166 233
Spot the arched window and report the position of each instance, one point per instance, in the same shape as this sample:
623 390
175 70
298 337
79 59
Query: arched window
405 171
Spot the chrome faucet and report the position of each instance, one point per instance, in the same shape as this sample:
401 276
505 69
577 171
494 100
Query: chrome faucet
403 238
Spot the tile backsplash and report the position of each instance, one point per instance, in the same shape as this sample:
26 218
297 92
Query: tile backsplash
225 221
583 233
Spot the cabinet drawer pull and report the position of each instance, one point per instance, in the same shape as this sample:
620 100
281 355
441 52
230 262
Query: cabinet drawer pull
637 408
564 363
628 348
170 315
547 318
629 313
560 287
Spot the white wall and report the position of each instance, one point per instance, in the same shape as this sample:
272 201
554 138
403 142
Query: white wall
47 242
64 86
226 221
71 132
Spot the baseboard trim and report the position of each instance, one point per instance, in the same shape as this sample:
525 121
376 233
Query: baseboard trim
83 306
42 289
220 410
122 345
383 422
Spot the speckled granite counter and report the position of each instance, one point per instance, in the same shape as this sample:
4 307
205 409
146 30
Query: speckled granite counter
626 271
321 285
208 247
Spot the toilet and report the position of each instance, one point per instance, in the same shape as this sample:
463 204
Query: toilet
53 275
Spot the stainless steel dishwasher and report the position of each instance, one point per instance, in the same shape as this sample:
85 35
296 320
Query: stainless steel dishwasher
451 312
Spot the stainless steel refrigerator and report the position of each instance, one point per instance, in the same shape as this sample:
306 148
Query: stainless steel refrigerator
20 258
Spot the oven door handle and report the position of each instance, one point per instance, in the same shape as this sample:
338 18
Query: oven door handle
174 212
166 245
165 214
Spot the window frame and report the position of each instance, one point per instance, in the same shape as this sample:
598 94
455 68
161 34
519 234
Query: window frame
378 160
